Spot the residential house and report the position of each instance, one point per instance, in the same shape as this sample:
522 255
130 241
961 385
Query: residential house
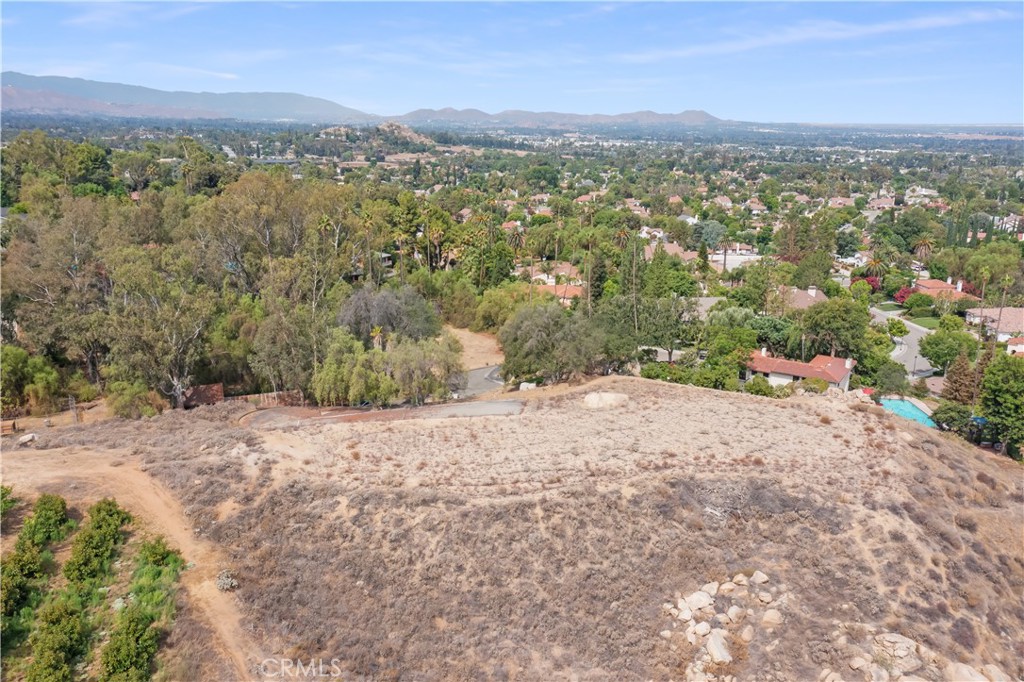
920 195
672 249
560 272
675 199
1015 345
648 232
1011 223
936 288
756 206
1007 323
881 204
779 371
704 304
800 299
840 202
563 292
723 201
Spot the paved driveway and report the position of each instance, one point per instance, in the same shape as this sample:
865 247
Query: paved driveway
480 381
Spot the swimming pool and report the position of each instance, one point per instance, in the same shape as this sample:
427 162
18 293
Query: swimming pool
907 410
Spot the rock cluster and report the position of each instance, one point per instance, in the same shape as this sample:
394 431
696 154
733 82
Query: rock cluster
891 657
723 618
717 624
226 581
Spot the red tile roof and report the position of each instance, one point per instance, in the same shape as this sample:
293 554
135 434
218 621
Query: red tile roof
937 287
564 293
831 369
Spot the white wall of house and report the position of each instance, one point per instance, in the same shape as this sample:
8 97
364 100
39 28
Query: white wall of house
780 379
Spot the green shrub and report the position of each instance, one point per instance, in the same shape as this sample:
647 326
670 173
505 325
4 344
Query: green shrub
919 300
921 311
49 521
664 371
58 639
919 389
129 654
784 391
95 544
18 570
157 553
83 390
758 385
132 400
813 385
7 500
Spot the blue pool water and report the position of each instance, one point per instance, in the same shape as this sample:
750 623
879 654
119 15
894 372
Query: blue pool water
907 410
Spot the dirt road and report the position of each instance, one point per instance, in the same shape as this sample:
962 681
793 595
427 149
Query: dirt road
85 476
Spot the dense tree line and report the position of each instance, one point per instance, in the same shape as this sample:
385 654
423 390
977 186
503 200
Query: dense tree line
142 271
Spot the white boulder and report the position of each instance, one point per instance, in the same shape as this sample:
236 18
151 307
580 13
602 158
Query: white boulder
717 647
603 400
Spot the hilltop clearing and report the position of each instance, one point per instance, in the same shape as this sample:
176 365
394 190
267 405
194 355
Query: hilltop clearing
650 532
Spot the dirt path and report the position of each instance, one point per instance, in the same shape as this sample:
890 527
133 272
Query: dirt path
84 476
478 350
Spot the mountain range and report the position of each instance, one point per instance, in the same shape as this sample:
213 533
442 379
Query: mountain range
80 97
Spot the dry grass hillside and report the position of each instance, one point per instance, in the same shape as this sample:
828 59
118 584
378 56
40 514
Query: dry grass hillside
832 540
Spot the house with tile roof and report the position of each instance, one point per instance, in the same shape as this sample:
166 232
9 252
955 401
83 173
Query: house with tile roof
834 371
1006 322
936 288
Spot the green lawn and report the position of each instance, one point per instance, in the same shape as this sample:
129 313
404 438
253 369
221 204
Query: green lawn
927 322
890 307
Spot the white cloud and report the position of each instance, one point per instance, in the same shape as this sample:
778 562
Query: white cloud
103 15
817 31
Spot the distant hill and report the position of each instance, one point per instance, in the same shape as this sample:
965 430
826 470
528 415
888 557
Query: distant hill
80 97
551 119
56 94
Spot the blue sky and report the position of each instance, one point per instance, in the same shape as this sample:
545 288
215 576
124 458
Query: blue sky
809 62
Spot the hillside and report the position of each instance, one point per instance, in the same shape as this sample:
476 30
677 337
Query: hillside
833 540
80 96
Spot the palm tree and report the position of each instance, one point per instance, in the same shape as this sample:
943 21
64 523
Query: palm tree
516 239
1006 282
923 247
621 237
399 237
377 335
876 267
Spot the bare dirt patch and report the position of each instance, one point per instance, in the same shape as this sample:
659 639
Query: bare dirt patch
478 350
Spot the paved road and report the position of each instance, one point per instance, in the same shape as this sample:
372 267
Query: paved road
482 380
907 352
